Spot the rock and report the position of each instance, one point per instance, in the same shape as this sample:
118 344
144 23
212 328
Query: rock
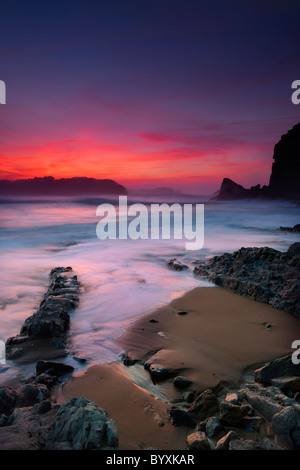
230 191
127 361
263 401
3 420
181 382
181 418
284 179
42 407
223 443
295 229
214 428
198 441
158 368
160 372
8 398
233 398
189 397
51 321
251 424
279 368
29 394
177 265
26 430
231 415
246 444
286 424
81 425
205 405
52 368
287 384
46 379
262 274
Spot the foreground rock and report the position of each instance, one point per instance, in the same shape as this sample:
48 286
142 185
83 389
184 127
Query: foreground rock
49 325
81 425
198 441
263 274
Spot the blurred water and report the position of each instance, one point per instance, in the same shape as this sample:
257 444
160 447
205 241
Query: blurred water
122 279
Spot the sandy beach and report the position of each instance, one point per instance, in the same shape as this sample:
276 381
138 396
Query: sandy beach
209 335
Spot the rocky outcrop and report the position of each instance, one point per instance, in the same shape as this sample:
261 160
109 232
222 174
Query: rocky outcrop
51 321
263 274
30 418
285 176
230 191
81 425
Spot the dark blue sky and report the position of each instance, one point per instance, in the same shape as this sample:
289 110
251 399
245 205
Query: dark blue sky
148 92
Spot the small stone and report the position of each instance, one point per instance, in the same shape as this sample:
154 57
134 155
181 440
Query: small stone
214 428
181 382
231 415
181 418
198 441
223 443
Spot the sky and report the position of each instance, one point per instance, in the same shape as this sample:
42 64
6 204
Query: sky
150 93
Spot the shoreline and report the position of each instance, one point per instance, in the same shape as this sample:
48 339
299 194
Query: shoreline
210 336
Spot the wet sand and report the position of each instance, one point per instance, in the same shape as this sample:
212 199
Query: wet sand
208 335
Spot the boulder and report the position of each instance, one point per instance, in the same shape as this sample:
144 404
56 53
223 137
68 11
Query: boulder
8 399
286 424
182 418
205 405
181 382
279 368
198 441
214 428
52 368
81 425
223 443
176 265
232 415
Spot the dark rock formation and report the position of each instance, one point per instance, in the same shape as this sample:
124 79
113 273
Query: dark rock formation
82 425
181 418
279 368
181 382
285 176
51 322
263 274
205 405
295 229
198 441
49 186
230 190
176 265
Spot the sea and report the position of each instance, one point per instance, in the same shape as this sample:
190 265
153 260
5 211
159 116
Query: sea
121 279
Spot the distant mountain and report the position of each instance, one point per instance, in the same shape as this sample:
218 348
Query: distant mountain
49 186
285 175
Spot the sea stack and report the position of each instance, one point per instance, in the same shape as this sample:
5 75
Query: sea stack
285 176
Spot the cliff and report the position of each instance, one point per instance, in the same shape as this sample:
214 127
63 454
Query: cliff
285 176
